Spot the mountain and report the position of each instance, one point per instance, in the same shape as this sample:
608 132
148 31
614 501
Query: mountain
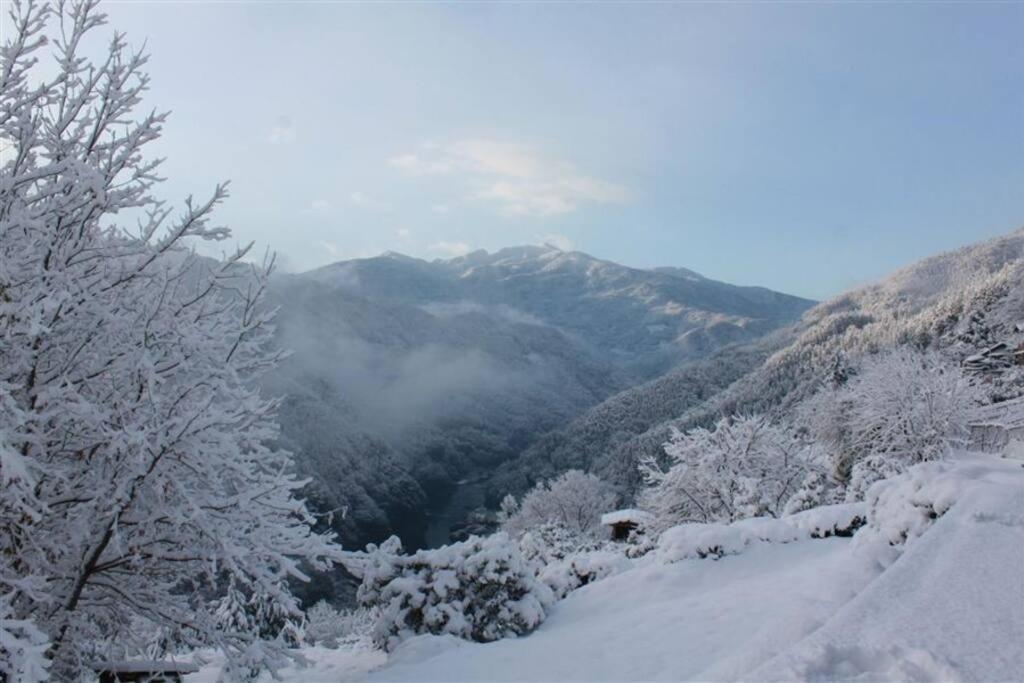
643 321
956 302
408 376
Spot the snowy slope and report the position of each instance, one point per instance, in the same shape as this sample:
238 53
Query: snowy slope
908 598
954 600
950 607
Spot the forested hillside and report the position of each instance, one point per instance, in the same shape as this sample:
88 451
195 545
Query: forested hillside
957 302
406 376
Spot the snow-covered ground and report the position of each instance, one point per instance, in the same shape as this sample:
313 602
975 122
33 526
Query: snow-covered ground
946 605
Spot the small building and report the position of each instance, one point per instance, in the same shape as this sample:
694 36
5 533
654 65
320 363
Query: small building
623 522
994 426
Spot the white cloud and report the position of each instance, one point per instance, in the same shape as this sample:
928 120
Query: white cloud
319 206
283 132
516 178
451 249
440 208
557 240
403 233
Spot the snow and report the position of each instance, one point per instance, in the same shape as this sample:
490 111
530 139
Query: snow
942 600
830 520
322 665
952 604
688 620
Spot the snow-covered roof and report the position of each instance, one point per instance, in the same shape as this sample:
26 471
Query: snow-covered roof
627 515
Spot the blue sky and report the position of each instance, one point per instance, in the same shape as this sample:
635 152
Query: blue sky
807 147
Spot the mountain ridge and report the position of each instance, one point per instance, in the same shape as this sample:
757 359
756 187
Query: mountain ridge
954 302
438 371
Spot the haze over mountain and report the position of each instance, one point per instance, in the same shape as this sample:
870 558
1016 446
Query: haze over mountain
408 375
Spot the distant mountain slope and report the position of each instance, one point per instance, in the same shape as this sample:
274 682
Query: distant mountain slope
429 372
957 302
646 319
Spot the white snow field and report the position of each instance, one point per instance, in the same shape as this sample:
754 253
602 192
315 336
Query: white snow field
944 603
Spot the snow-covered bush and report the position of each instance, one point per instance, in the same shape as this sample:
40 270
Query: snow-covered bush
328 627
579 569
841 519
901 408
574 501
565 561
904 507
699 541
745 467
480 589
693 541
814 491
869 470
549 543
137 466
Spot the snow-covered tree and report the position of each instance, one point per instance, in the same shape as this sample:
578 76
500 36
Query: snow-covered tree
574 501
136 471
903 406
22 647
744 467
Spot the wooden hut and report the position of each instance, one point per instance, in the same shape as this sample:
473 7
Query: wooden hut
622 523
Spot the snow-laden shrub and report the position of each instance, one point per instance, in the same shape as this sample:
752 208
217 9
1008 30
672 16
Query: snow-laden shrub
549 543
480 589
331 628
769 530
904 507
579 569
745 467
565 561
639 543
867 472
842 519
574 501
815 490
699 541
